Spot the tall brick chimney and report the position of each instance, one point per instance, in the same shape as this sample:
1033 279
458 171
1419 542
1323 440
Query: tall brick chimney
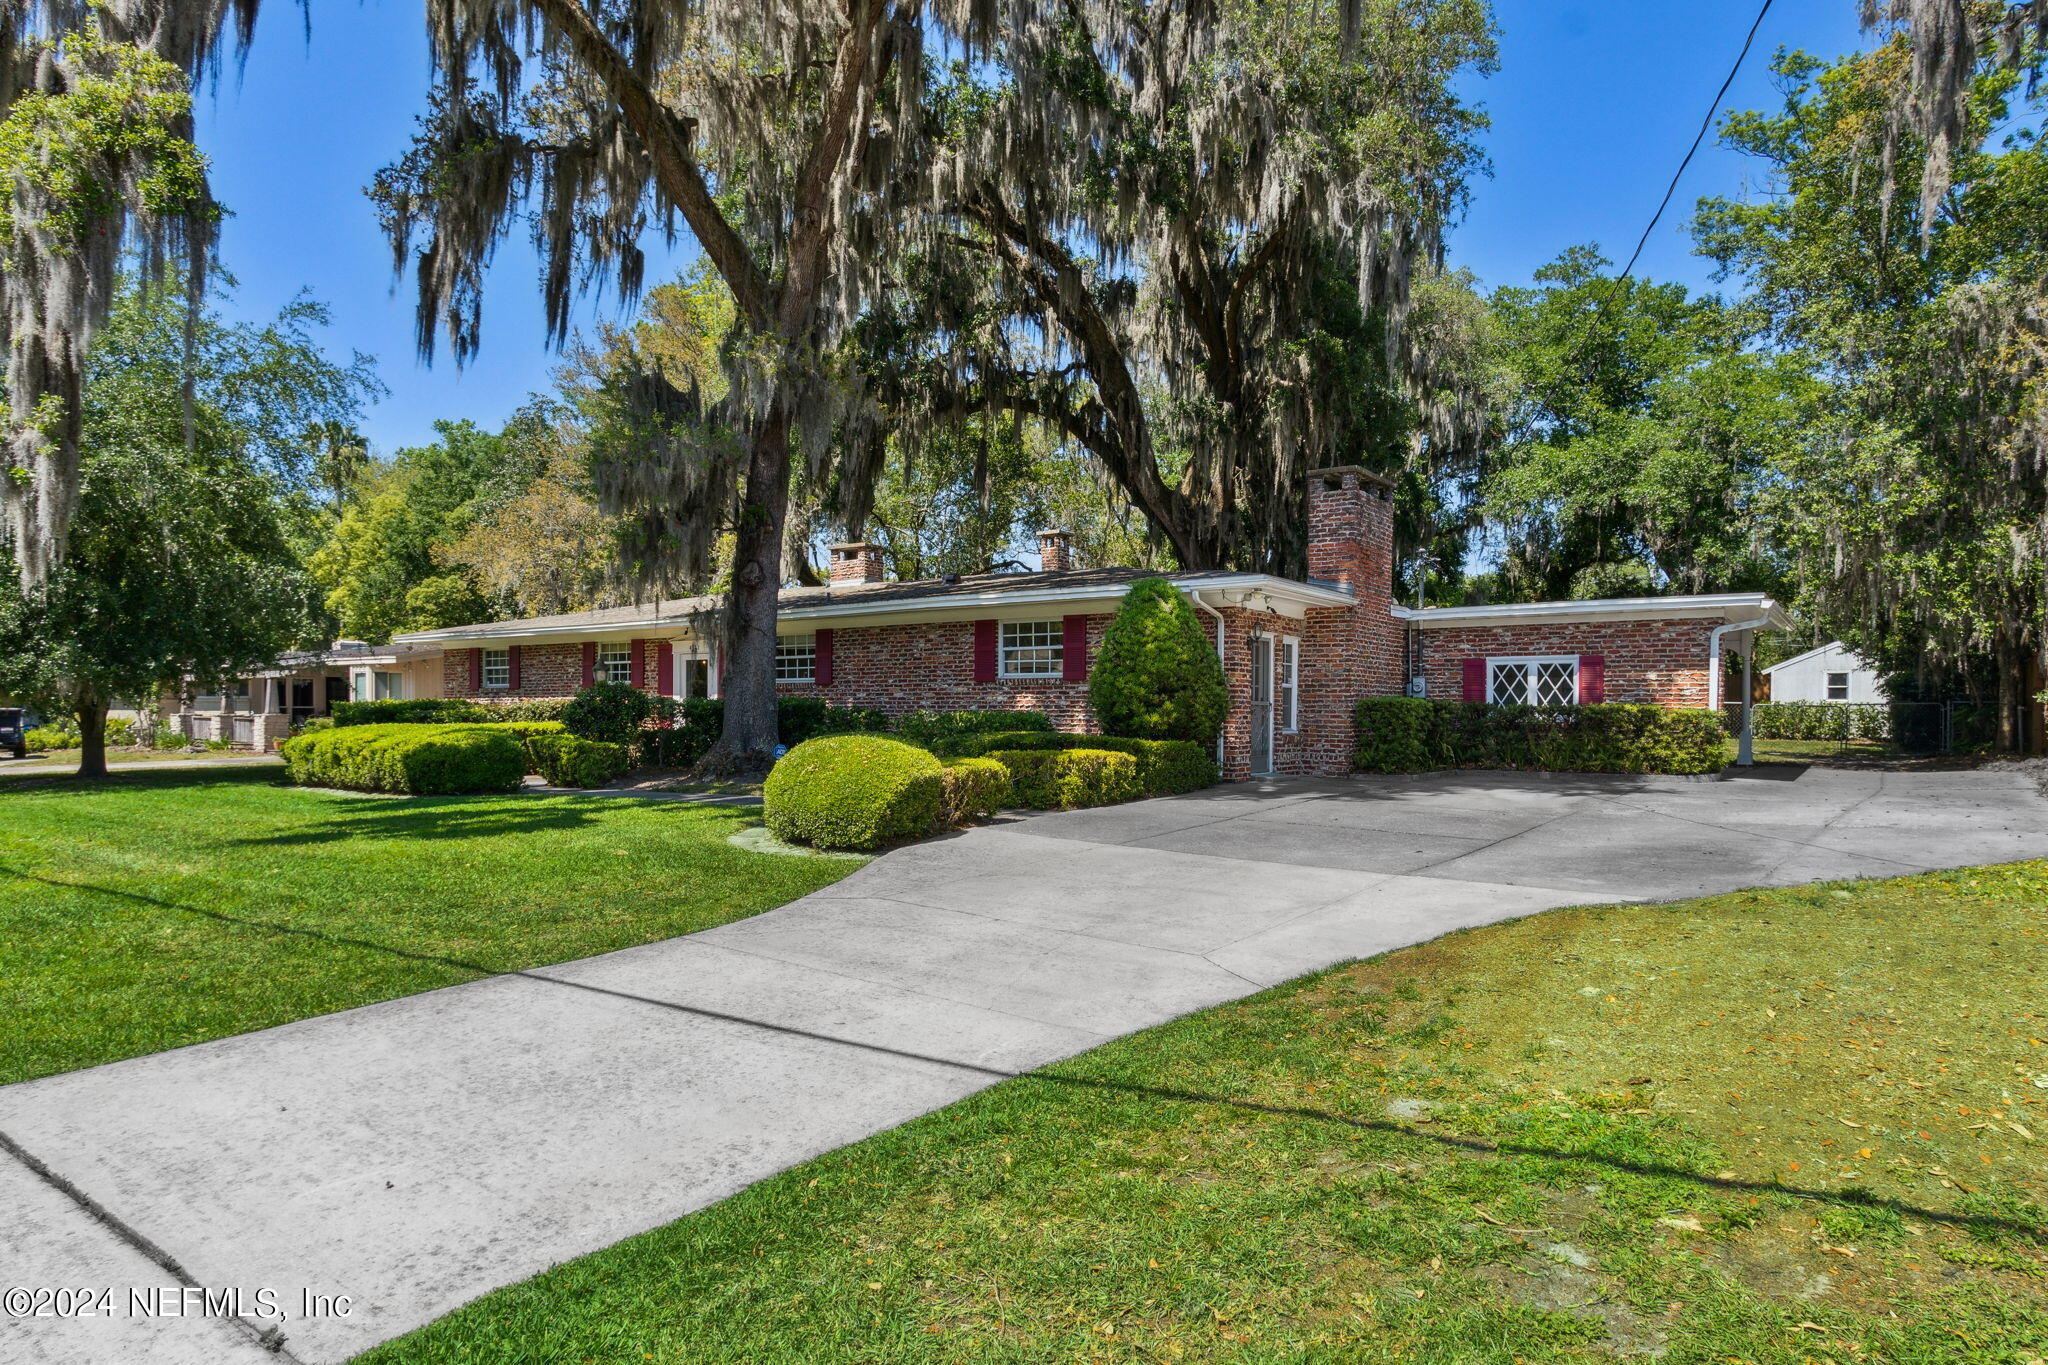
1055 549
1351 532
1356 651
855 562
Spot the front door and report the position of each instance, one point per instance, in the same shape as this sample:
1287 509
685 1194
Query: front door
696 678
1262 704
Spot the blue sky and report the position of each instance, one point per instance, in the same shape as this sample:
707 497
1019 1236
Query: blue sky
1593 106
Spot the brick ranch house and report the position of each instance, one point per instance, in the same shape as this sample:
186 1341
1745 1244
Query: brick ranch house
1298 654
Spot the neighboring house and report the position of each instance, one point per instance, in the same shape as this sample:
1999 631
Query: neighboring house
1298 655
260 708
1833 672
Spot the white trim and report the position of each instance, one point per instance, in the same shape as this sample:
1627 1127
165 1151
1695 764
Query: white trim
483 670
1531 659
1234 590
1709 606
1287 685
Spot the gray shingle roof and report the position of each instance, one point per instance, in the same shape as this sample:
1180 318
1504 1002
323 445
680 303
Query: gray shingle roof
677 608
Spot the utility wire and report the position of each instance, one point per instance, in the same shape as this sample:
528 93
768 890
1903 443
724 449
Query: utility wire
1698 138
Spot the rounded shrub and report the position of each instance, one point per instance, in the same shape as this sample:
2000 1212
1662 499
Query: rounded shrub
853 791
610 712
1157 675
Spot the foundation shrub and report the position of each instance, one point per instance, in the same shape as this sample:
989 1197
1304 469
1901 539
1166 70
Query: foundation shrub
678 733
409 759
609 712
1401 734
1069 779
565 760
962 734
1156 675
975 789
420 711
853 791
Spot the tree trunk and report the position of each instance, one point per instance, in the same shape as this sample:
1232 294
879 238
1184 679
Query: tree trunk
2012 690
92 732
746 743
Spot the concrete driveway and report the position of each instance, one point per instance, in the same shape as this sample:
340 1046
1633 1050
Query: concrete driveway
414 1154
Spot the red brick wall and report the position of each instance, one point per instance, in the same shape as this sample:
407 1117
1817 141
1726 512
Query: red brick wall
1660 662
930 667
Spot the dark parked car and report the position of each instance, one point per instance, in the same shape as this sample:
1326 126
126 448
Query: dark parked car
14 731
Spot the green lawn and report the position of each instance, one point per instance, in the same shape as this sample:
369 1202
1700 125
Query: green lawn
1809 750
41 763
158 909
1789 1127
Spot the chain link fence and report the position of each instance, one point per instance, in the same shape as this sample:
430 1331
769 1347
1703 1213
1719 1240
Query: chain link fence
1837 730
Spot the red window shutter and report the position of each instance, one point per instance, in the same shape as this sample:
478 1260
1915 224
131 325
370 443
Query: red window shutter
1592 679
1475 680
821 671
1074 648
639 656
589 662
476 670
512 667
665 668
984 651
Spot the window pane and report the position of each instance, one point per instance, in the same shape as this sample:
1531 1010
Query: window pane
614 663
796 660
1033 649
1555 684
497 668
1510 683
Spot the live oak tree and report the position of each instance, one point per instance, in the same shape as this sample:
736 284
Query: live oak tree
96 149
1184 238
778 134
181 561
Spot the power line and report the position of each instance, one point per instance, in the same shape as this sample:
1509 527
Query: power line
1698 138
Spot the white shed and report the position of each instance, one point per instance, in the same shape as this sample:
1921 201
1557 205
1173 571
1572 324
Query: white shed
1832 672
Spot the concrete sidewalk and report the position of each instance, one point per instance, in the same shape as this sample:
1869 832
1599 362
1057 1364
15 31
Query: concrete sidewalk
414 1154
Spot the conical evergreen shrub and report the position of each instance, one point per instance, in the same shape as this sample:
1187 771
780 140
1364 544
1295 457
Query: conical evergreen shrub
1157 675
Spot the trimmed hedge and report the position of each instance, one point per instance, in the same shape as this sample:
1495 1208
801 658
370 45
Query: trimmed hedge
1069 779
411 759
422 711
564 760
1406 734
975 789
853 791
1818 720
1165 766
962 734
680 732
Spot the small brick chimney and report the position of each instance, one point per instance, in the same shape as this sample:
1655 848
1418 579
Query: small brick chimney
1055 549
856 562
1351 532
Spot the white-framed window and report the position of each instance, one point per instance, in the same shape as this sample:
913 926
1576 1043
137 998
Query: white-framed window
1547 680
1033 649
1838 687
1288 662
796 659
359 685
390 687
497 668
614 664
